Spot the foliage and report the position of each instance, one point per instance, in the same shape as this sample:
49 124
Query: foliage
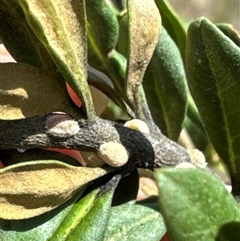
138 54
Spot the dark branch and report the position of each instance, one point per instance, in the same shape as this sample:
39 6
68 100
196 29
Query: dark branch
145 150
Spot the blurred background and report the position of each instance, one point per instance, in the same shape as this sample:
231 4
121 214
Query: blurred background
217 11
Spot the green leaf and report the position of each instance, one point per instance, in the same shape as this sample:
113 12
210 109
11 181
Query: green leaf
117 66
130 222
212 66
39 228
75 216
230 32
26 91
102 29
165 87
195 204
94 224
173 24
60 27
122 45
142 42
31 188
20 40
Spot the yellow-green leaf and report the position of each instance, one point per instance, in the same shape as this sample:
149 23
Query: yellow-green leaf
75 216
61 29
27 91
144 30
32 188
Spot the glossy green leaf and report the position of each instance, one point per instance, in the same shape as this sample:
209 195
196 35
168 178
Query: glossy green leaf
131 222
39 228
142 42
94 224
165 87
61 29
102 29
196 205
26 91
212 66
29 189
27 49
173 24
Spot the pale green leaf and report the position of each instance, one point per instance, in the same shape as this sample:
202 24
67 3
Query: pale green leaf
196 206
130 222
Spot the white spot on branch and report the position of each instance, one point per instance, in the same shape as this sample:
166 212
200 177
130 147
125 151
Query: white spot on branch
61 125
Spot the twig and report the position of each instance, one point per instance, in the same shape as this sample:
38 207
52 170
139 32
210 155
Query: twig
145 150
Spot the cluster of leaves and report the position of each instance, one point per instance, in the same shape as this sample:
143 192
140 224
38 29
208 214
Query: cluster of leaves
151 66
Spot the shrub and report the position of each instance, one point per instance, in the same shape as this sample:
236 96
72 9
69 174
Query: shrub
147 66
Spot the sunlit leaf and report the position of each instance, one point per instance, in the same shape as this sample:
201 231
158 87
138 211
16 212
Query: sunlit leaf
212 66
130 222
61 29
144 30
165 87
27 91
196 205
29 189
